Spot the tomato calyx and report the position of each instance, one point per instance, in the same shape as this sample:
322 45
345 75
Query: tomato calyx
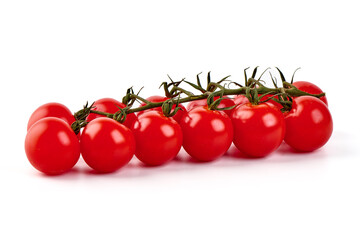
175 90
167 107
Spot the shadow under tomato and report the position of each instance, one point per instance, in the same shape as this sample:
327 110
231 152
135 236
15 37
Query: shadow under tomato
187 159
130 166
94 172
192 160
236 153
286 149
147 166
71 174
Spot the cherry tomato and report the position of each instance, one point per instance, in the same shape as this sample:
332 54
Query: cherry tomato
177 116
106 145
226 102
53 109
51 146
310 88
258 129
158 138
308 124
109 105
207 133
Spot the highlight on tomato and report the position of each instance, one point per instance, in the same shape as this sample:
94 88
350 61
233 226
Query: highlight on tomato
207 133
259 129
51 146
309 124
110 105
52 109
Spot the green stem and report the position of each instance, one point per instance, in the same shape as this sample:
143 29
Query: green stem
293 91
109 115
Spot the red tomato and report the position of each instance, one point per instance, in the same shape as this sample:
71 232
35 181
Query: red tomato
158 138
51 146
310 88
258 129
207 133
177 116
227 102
53 109
308 124
109 105
106 145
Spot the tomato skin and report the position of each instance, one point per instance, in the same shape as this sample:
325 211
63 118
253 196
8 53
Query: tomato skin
179 114
158 138
51 146
52 109
207 133
309 124
109 105
226 102
106 145
310 88
258 129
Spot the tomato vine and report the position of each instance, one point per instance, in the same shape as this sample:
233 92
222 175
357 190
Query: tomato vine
254 90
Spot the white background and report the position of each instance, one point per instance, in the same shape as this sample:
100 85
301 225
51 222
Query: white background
74 51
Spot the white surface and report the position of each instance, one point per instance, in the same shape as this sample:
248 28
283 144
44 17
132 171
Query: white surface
73 51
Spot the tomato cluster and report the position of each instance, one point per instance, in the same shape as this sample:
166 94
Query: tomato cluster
206 134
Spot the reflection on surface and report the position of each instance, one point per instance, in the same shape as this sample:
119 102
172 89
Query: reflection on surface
244 115
94 131
217 125
64 138
167 131
317 116
269 120
117 136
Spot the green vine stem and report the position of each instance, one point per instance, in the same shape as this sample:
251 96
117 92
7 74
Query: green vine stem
252 87
292 91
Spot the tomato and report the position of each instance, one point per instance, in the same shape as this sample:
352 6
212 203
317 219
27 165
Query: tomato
258 129
158 138
207 133
310 88
53 109
51 146
109 105
106 145
226 102
309 124
179 114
